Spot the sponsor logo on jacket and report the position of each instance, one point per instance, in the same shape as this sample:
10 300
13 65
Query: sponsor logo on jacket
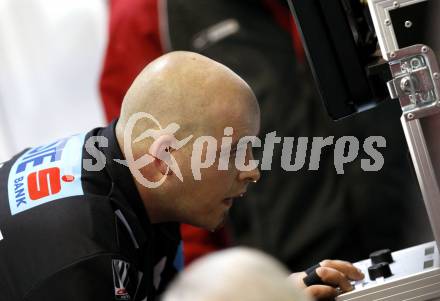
121 279
46 173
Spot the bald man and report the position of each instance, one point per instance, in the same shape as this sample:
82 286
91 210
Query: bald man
95 216
242 274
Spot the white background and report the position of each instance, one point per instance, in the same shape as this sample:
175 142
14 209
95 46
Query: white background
51 54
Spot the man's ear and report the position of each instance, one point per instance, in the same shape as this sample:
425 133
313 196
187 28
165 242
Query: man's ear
160 150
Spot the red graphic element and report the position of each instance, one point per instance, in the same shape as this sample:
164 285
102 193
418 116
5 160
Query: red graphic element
121 292
68 178
44 183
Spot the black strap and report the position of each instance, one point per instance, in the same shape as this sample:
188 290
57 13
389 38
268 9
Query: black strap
312 269
313 279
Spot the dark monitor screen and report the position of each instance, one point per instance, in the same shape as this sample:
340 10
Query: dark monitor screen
341 46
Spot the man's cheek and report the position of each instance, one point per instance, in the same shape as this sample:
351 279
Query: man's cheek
203 155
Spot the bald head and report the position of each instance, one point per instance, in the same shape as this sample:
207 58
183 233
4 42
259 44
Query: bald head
179 97
191 90
237 274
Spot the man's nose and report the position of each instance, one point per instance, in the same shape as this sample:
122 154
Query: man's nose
249 176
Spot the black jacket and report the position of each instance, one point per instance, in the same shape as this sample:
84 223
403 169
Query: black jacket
72 234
